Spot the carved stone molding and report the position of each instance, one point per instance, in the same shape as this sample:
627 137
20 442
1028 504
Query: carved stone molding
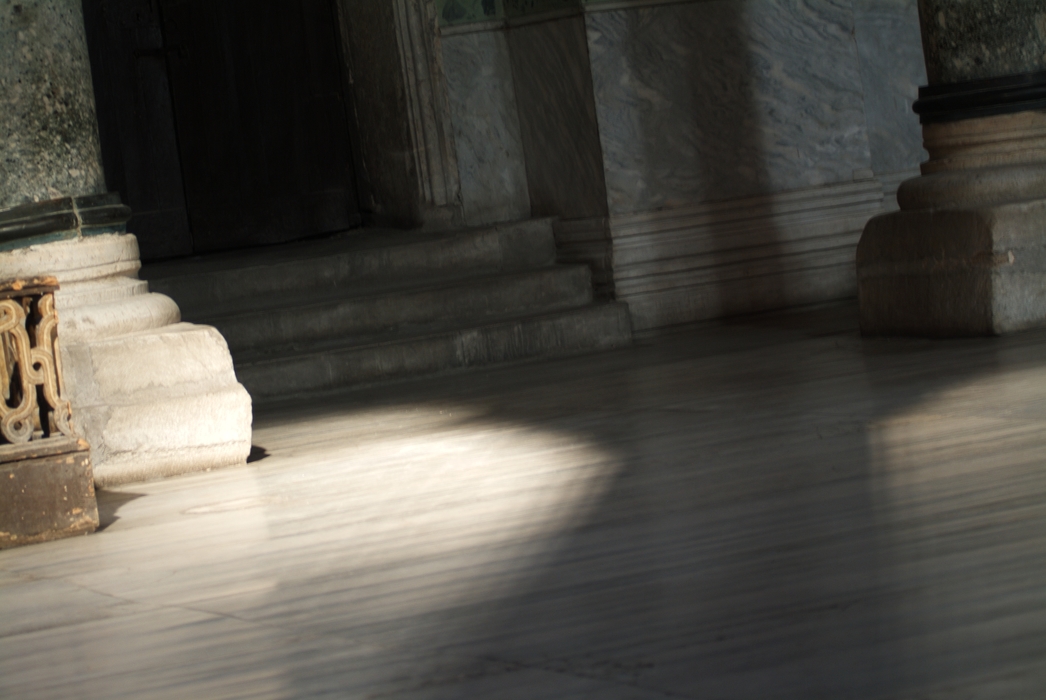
713 259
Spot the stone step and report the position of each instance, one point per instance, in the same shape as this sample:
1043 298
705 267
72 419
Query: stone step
376 305
360 259
468 301
330 366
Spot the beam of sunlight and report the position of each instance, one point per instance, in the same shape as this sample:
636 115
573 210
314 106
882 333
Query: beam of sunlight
353 539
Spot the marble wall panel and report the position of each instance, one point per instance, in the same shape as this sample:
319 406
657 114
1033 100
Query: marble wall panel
558 119
889 47
723 99
486 127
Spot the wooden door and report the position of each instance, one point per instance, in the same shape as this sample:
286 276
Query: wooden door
256 103
136 122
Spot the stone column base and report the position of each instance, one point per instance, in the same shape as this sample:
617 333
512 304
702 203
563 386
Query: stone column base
154 397
966 254
954 272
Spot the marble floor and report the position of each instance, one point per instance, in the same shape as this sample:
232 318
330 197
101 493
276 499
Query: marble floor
770 508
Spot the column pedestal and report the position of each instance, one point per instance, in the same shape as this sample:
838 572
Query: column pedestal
966 253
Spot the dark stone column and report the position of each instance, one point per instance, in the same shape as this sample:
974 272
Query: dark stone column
50 158
966 254
979 39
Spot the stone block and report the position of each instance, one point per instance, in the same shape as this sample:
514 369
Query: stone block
954 272
46 492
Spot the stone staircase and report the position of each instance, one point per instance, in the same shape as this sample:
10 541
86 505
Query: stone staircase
380 305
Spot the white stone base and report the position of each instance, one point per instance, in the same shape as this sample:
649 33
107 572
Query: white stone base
154 397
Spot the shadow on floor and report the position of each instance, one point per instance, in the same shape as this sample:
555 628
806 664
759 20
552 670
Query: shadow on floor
109 503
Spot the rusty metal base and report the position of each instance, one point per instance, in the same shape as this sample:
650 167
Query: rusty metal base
46 492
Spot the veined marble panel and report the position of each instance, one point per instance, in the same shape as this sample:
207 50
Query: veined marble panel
889 47
486 128
722 99
558 119
753 254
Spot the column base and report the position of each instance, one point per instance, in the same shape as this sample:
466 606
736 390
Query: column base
954 272
153 396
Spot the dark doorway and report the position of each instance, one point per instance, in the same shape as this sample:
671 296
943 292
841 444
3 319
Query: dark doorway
224 122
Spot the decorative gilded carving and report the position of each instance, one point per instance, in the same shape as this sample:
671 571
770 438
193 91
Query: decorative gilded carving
32 405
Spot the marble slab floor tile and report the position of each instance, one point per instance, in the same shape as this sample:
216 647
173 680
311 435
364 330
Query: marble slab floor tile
768 508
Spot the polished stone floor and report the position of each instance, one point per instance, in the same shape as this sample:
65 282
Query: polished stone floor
772 508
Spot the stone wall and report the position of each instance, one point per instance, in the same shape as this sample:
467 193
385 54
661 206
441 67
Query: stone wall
889 51
710 101
558 118
491 165
705 157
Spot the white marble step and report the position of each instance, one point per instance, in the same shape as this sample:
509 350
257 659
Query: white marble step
574 331
360 259
376 305
465 302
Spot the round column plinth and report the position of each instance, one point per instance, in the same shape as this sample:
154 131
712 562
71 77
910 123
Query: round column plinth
154 397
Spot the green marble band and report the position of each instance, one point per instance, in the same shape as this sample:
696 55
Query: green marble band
457 12
62 219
